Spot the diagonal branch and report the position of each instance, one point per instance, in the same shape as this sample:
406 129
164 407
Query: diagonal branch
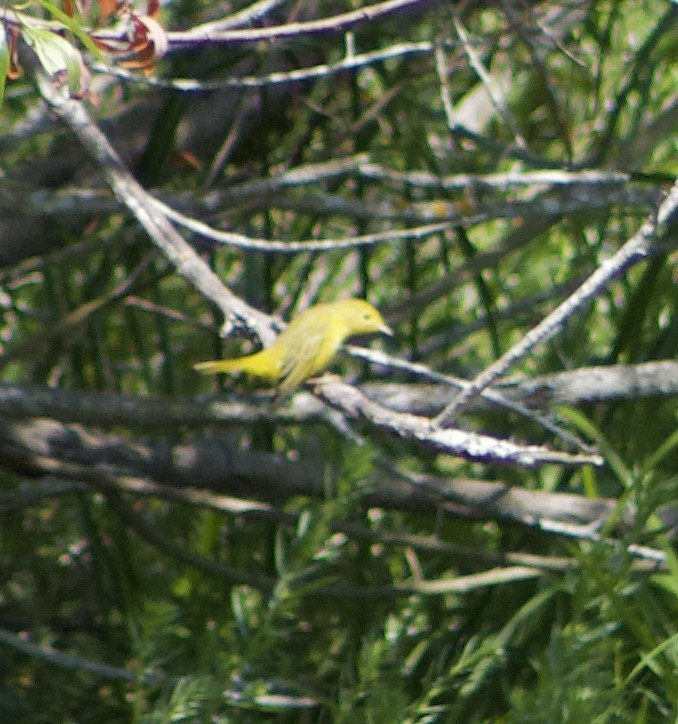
635 250
142 206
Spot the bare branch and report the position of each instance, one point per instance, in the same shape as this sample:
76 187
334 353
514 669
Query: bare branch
331 25
588 384
190 472
471 446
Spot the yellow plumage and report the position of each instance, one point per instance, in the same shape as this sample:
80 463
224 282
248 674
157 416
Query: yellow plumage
307 345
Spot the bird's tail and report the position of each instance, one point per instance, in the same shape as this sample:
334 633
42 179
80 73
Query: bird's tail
214 366
254 364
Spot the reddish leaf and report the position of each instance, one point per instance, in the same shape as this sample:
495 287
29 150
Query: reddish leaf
108 7
149 44
68 7
14 71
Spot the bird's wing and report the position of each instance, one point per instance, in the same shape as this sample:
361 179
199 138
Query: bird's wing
301 359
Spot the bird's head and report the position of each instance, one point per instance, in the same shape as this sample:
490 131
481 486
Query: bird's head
360 317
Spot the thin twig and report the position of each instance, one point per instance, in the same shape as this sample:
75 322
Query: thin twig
71 326
445 95
280 77
241 241
493 92
67 661
331 25
246 16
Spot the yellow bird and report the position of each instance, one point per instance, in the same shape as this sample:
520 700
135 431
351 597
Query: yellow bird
307 345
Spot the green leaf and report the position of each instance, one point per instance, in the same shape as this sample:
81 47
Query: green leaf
74 25
4 61
56 55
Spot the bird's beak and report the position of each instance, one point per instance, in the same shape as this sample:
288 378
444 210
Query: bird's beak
385 329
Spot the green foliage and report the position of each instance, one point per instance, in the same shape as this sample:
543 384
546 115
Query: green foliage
4 61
